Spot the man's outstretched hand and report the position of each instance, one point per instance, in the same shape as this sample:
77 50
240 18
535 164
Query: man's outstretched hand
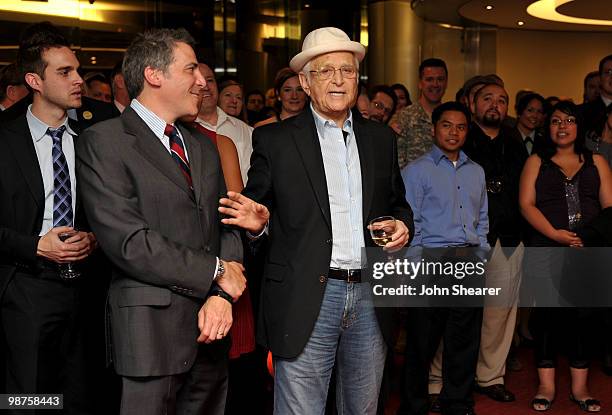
244 212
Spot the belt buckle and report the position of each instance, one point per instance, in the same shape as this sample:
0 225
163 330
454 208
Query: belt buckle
349 276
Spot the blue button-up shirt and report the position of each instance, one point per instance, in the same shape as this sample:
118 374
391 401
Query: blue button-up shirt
449 201
343 176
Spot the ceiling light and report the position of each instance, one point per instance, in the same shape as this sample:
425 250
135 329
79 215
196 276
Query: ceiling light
520 23
489 7
547 10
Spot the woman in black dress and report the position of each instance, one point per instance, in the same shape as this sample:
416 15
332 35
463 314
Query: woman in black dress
563 187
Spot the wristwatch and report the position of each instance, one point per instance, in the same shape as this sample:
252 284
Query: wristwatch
220 269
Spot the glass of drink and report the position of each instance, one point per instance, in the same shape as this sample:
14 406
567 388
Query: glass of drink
381 229
67 271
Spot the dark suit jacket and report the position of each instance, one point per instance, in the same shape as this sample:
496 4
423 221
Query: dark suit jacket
538 142
22 202
593 113
91 112
162 238
288 176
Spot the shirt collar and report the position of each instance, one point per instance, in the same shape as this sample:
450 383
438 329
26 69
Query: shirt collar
222 116
119 106
606 101
322 123
39 128
530 135
156 124
437 155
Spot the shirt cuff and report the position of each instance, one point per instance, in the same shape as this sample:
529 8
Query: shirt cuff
253 237
216 270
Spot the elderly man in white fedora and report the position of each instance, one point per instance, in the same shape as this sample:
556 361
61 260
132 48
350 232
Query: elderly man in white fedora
315 182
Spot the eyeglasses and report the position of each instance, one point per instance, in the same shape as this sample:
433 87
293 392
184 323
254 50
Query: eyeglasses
381 106
327 72
558 121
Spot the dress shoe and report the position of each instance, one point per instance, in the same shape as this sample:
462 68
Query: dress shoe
497 392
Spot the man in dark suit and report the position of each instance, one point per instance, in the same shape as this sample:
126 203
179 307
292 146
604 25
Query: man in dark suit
318 179
150 192
594 111
40 310
90 112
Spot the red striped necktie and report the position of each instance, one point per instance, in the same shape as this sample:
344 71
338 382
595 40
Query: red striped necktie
177 149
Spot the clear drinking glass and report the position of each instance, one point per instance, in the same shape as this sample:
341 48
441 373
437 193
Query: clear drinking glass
381 229
67 271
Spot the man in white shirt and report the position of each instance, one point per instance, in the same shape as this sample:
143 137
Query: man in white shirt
215 119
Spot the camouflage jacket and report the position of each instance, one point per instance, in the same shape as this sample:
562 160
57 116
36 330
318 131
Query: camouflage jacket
415 137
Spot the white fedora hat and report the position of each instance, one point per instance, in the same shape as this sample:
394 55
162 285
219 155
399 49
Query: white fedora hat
325 40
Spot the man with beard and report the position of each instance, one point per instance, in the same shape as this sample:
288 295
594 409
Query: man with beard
502 159
414 122
382 103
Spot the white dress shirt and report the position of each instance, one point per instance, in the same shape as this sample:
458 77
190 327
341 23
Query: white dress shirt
43 144
239 132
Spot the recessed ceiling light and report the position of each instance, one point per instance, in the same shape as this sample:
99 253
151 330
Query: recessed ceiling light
489 7
520 23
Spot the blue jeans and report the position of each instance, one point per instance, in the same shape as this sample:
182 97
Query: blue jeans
346 333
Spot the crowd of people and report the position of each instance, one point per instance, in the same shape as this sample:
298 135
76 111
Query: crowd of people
172 226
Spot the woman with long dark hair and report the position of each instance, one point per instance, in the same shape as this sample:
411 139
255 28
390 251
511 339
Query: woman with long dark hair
563 187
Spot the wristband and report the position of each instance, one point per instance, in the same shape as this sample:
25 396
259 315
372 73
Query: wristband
220 293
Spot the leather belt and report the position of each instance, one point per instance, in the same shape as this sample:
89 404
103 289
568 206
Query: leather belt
348 275
39 266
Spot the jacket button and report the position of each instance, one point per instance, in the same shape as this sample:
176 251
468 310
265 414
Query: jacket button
329 241
207 249
322 279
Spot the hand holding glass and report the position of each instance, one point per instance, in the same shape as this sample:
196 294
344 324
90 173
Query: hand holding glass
67 271
381 229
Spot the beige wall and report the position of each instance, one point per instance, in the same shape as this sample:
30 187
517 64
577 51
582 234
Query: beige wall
445 44
550 63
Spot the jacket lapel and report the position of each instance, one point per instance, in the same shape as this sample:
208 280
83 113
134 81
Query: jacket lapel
149 146
23 149
306 140
367 163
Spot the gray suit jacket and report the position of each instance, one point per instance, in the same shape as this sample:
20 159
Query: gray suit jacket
162 238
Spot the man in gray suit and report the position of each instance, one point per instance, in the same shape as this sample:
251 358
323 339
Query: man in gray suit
150 190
